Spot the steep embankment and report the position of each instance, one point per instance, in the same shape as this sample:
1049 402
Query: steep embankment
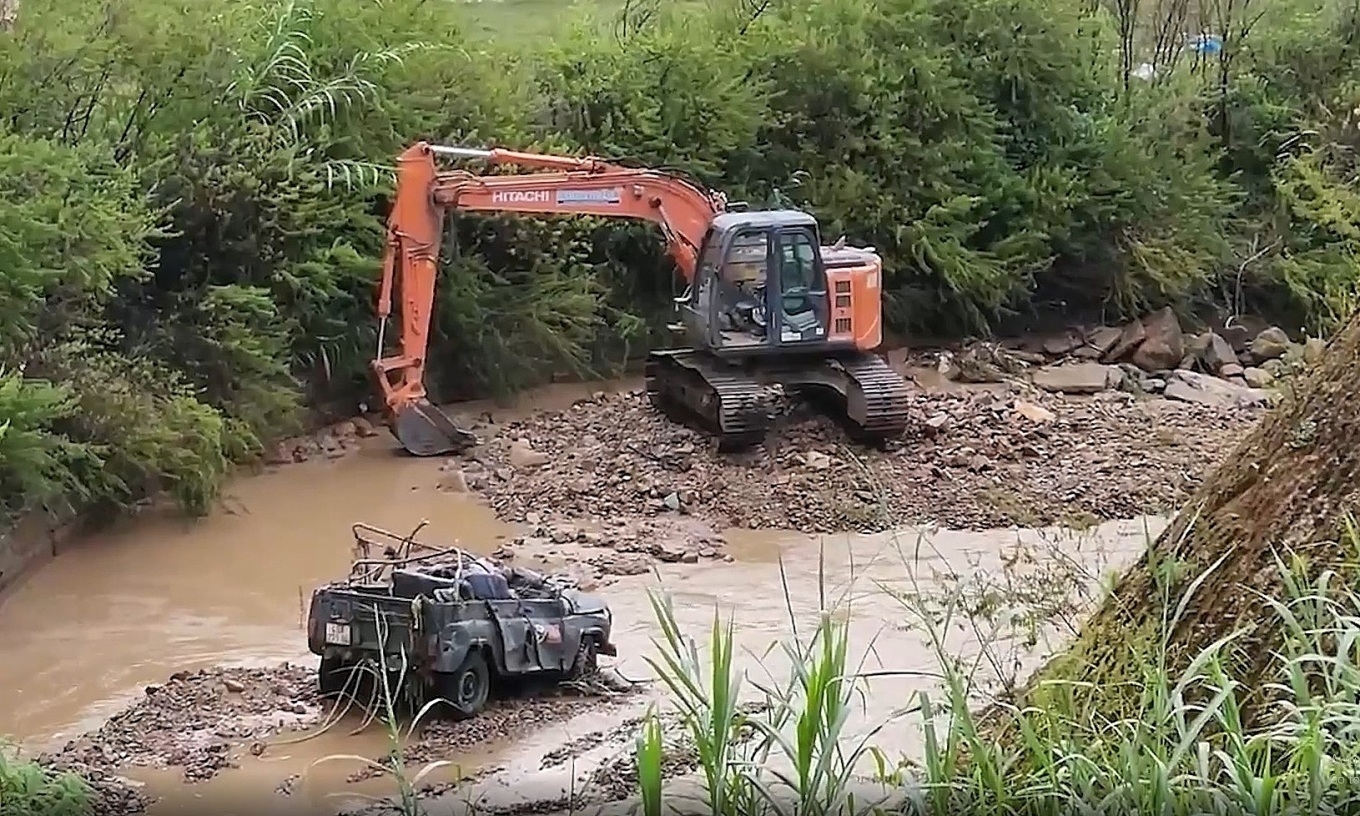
1277 510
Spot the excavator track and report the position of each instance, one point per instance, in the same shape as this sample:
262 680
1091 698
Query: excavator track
734 403
724 401
876 398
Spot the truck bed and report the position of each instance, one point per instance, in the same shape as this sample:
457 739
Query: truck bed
350 617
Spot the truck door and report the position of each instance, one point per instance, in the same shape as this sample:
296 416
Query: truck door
532 635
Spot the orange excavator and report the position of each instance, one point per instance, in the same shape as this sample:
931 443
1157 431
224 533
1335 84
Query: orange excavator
766 306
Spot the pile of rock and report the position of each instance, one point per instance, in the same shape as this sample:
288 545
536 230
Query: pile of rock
196 720
972 459
595 553
1231 367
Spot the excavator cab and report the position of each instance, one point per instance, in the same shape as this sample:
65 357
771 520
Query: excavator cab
760 285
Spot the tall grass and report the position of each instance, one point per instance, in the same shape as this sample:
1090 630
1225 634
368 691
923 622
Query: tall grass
1185 748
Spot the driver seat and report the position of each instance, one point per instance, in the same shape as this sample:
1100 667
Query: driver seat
802 318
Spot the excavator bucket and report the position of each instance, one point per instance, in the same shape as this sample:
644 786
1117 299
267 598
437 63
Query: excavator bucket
424 430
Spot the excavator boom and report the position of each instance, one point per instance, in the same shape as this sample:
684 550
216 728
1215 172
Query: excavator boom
768 311
564 186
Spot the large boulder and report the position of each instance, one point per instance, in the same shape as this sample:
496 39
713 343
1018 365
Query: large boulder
1163 345
1257 377
1129 337
1237 335
1202 389
1081 378
1102 339
1216 353
1063 344
1270 344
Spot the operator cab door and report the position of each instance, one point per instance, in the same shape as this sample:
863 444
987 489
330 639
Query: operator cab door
739 263
759 288
796 296
728 303
699 312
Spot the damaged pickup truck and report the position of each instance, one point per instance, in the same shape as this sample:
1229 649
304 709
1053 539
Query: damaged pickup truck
456 627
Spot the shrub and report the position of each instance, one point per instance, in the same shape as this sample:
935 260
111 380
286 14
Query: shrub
195 197
26 789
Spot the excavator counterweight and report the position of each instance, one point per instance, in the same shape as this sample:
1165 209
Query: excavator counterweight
767 307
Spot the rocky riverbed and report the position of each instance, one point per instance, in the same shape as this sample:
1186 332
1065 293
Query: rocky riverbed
971 460
205 722
1087 424
1091 424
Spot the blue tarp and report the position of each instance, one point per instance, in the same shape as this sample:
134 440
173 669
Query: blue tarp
1207 44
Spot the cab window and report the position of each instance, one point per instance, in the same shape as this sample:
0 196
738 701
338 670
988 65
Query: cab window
746 259
798 261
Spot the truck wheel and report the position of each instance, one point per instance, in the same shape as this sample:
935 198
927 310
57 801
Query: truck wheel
466 690
332 675
587 659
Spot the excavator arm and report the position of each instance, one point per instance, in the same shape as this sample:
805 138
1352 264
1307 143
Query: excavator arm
563 185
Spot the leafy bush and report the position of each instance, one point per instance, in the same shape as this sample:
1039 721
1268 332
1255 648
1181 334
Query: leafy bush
35 464
982 149
26 789
194 197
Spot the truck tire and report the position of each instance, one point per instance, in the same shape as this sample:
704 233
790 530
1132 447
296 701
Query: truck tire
587 658
466 691
332 675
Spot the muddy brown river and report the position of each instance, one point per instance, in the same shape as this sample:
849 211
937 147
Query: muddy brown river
85 633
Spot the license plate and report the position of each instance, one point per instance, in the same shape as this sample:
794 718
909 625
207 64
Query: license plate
337 634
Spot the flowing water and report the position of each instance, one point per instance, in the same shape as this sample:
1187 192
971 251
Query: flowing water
85 633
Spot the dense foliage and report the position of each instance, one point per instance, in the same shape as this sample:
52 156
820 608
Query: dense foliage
193 194
27 789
